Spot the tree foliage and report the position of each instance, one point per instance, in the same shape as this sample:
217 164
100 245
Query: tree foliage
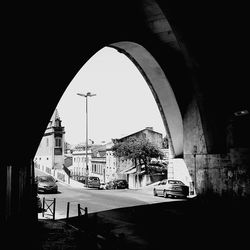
140 151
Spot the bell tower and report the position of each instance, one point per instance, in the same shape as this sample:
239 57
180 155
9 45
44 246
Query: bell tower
50 153
58 137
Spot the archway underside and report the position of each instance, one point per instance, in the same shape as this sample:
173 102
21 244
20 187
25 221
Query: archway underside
161 90
204 64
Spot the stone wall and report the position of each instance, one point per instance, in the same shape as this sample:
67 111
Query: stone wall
225 173
221 174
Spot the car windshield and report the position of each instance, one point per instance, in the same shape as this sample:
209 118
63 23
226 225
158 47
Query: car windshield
94 178
175 182
121 181
46 178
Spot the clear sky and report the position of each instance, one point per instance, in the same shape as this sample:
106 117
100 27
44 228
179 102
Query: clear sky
123 104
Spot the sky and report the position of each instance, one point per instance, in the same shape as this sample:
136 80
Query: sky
123 104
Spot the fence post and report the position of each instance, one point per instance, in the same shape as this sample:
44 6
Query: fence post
43 206
54 208
67 217
86 212
79 210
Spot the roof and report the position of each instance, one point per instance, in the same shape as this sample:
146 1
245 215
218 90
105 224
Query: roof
99 154
147 128
98 160
81 152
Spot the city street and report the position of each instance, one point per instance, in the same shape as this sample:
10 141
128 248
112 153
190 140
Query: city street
97 200
147 222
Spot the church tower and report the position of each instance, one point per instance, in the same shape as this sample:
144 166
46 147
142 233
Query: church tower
50 153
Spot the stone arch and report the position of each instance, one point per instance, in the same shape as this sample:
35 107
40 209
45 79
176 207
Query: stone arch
161 90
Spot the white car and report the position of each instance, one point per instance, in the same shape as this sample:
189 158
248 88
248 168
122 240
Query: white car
170 187
103 185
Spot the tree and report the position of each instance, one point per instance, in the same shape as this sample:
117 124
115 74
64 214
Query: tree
140 151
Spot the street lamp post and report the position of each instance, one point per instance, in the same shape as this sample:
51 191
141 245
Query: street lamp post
86 148
195 170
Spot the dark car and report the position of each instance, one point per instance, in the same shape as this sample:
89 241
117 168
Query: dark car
117 184
46 184
90 181
93 182
173 188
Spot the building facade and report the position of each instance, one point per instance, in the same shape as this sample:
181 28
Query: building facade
111 163
147 133
102 163
98 164
126 169
78 169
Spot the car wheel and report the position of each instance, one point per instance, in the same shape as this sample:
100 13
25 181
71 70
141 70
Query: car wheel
165 194
155 193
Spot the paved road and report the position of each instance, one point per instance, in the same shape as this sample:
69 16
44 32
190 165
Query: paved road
155 222
96 200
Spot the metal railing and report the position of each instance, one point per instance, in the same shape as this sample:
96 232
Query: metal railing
80 209
88 234
47 205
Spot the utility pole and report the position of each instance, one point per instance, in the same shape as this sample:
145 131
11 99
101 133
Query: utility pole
86 147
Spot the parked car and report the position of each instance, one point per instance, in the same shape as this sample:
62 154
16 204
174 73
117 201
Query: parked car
109 185
81 179
117 184
173 188
46 184
93 182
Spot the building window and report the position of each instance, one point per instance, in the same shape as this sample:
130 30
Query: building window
58 142
47 142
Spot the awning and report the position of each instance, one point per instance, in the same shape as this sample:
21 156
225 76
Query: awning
124 171
131 171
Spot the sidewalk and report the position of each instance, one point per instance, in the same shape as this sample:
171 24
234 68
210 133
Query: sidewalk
57 235
179 224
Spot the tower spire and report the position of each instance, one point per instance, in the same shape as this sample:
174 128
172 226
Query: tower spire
57 114
54 118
